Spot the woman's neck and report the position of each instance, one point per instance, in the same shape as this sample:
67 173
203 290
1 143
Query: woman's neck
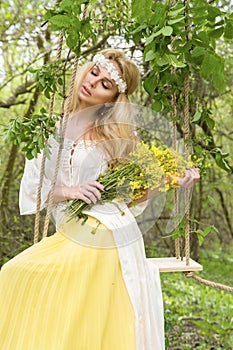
80 123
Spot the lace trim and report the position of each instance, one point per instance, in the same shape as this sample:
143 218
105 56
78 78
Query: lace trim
71 144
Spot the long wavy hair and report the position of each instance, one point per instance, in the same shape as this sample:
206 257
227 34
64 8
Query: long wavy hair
114 125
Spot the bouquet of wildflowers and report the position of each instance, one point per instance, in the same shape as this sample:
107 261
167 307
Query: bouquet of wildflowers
146 169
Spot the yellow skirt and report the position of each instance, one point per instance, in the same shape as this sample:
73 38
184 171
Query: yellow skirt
64 294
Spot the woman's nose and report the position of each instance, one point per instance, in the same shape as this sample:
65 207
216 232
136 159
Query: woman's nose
93 81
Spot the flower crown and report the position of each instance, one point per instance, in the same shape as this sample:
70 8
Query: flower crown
101 60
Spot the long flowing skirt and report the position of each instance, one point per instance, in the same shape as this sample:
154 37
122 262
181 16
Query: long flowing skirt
61 294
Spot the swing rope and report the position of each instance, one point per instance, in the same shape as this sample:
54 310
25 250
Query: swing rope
42 168
64 126
176 199
186 136
174 145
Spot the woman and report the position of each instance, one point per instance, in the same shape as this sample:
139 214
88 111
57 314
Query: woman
75 290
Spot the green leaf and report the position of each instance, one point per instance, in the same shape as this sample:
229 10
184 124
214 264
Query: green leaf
167 31
72 40
158 14
152 36
198 150
139 29
208 200
61 21
200 236
48 14
210 122
219 81
35 138
150 84
197 117
217 33
162 61
209 65
206 231
228 32
157 106
141 10
66 5
213 12
43 110
202 39
150 55
220 161
173 60
198 51
174 13
41 142
60 81
31 70
29 154
176 20
34 152
47 93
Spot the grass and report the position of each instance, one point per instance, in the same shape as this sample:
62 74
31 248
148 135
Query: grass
196 316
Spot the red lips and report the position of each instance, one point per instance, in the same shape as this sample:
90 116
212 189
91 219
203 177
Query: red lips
85 90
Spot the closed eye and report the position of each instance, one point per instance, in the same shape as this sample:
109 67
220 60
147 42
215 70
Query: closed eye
105 86
104 83
94 73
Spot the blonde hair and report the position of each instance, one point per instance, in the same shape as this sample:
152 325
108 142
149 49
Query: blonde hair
115 122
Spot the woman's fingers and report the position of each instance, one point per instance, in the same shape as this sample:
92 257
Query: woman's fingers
192 175
89 192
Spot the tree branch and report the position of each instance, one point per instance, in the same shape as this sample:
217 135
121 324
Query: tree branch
20 90
225 210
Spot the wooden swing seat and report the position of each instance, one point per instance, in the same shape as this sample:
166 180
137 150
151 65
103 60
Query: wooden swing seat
175 265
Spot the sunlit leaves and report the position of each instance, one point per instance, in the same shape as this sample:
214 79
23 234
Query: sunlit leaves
68 17
141 10
193 45
32 132
48 77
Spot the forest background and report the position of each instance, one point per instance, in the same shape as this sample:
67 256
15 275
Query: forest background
171 41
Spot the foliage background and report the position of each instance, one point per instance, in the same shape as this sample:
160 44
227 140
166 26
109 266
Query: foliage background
168 40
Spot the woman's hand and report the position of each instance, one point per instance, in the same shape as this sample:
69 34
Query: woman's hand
88 192
192 175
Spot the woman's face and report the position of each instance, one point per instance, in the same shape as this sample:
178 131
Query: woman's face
98 87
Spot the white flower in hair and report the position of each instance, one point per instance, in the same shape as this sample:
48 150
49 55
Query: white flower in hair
101 60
